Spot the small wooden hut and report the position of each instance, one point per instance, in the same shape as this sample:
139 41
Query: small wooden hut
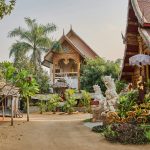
9 100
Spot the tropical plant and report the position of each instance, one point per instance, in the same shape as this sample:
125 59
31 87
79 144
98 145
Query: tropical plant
43 80
5 8
53 103
70 101
42 106
120 86
99 128
93 70
147 98
8 71
126 102
22 79
34 40
126 134
18 51
86 100
27 85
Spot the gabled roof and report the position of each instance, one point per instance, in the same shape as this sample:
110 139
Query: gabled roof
138 23
77 43
142 11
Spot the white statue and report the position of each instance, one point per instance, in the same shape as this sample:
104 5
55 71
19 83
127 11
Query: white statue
98 109
111 94
98 93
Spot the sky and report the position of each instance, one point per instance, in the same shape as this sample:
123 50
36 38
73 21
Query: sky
98 22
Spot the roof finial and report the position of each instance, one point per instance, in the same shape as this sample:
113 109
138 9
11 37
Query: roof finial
71 27
63 31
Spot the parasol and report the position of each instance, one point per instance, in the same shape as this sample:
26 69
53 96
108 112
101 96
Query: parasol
139 60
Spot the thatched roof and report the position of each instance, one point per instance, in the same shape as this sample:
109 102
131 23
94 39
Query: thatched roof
8 89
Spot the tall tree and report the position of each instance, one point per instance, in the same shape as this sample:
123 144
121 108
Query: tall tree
34 40
5 8
93 70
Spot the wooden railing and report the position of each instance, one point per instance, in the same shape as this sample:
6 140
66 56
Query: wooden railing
68 74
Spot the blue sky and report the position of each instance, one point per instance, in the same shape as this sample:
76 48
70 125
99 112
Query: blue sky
97 22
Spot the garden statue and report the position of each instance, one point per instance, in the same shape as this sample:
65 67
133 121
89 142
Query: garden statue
106 104
111 94
98 93
98 109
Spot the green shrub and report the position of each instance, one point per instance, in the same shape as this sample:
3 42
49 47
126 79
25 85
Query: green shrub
147 98
85 100
120 85
99 129
70 101
53 103
42 107
126 134
126 102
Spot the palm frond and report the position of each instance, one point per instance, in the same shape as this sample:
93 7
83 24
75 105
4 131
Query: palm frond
21 33
19 48
43 42
30 22
49 28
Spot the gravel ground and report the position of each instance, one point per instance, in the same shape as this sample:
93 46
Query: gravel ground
55 132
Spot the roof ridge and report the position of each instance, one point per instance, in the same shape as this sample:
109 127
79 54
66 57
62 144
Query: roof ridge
74 45
71 30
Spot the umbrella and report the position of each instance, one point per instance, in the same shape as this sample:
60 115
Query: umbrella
139 60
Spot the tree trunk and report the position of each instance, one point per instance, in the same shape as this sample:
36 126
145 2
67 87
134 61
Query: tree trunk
27 108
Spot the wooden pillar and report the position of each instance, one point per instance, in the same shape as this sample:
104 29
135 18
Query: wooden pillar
78 75
140 45
147 72
12 111
53 72
3 109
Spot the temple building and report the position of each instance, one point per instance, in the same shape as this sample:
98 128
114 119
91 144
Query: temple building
65 65
137 39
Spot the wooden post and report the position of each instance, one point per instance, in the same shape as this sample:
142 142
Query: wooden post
147 72
79 76
12 111
53 72
3 113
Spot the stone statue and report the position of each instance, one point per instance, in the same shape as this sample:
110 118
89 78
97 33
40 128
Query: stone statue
111 94
98 93
106 104
98 109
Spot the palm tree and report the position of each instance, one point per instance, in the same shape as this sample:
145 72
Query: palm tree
34 40
18 50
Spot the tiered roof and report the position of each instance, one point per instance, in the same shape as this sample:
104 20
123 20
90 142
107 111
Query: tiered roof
138 23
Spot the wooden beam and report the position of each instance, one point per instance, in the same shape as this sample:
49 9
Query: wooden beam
127 73
131 53
132 23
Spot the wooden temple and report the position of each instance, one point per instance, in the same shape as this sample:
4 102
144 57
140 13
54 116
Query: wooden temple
137 39
65 65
